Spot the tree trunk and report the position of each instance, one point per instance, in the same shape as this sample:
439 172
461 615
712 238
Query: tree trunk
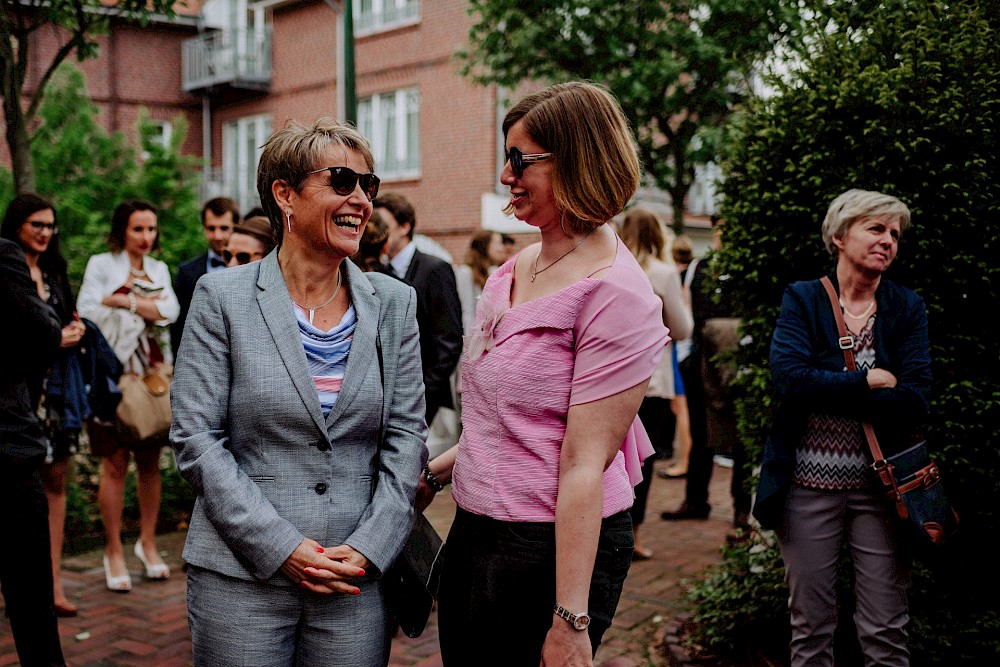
18 142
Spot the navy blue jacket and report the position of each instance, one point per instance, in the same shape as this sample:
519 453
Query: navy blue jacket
808 372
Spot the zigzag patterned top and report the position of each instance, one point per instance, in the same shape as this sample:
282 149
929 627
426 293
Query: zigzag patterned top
832 453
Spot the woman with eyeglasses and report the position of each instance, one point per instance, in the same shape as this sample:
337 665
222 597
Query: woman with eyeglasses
298 417
568 334
250 241
30 221
128 295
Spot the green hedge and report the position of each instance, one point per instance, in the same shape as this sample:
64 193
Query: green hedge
902 97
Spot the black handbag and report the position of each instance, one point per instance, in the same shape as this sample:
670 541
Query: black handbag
911 480
411 583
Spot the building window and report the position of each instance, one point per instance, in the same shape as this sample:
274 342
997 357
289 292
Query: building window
242 140
377 15
391 122
160 133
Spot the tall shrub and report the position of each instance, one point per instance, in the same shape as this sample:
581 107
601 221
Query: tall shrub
900 97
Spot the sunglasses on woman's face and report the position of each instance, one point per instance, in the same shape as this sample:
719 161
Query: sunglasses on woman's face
344 180
241 257
519 161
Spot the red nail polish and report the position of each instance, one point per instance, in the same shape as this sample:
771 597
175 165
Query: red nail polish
357 591
320 550
361 573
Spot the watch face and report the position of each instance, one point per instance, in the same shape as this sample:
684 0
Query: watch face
581 622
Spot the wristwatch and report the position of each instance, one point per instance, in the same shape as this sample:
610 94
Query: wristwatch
578 621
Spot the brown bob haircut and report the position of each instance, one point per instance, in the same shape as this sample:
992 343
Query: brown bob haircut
595 164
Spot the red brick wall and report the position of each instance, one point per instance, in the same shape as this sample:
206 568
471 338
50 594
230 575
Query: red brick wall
136 68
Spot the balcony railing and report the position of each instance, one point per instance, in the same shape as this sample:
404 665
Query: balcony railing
237 59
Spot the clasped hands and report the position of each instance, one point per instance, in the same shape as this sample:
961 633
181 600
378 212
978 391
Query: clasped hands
326 570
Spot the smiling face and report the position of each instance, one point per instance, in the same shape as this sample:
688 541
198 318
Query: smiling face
869 245
323 220
37 231
531 196
140 233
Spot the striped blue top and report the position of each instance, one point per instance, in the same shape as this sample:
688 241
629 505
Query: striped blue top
326 354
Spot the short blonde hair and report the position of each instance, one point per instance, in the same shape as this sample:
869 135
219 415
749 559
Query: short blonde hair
295 150
596 166
855 205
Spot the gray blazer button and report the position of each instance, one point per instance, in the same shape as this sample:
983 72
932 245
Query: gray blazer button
323 446
320 488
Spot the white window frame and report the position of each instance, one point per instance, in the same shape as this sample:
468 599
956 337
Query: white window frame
242 140
391 122
371 16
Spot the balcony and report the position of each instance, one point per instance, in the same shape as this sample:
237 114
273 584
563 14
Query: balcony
228 59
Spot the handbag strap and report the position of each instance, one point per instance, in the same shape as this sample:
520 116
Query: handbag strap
846 342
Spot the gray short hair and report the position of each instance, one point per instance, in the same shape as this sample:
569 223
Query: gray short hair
295 150
856 205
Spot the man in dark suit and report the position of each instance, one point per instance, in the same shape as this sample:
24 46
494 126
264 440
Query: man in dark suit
710 403
29 342
218 217
439 312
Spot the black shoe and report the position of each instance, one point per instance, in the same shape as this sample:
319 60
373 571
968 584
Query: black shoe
685 512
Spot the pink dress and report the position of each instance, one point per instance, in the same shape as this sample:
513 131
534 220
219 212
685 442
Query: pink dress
523 369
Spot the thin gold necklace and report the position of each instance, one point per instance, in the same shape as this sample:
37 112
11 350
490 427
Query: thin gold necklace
534 263
312 311
857 317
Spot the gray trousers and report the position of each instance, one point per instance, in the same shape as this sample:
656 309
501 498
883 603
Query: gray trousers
816 523
239 623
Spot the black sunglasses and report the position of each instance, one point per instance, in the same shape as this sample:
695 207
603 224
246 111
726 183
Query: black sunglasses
241 257
344 180
519 161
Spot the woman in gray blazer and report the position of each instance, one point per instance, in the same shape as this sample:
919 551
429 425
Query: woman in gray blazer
298 417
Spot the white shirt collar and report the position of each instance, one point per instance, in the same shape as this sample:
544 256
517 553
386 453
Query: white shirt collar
401 262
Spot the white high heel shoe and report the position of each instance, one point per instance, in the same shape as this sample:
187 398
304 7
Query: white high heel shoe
158 571
122 584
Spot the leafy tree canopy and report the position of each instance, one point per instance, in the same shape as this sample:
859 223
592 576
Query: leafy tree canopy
678 68
77 23
86 172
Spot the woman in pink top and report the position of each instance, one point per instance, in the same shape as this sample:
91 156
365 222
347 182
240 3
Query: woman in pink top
568 333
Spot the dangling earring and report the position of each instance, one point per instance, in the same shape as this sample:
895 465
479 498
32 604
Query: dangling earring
288 217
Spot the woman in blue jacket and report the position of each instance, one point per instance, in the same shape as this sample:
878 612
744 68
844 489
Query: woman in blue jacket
816 489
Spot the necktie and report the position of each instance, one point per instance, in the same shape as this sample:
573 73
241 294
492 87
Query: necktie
391 271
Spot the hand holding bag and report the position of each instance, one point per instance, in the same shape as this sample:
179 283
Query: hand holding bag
912 481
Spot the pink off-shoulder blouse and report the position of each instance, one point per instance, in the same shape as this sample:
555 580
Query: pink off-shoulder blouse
525 366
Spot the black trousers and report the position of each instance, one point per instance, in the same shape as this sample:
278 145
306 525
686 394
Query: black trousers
700 460
659 421
26 566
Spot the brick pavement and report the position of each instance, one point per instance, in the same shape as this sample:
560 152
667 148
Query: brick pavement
148 626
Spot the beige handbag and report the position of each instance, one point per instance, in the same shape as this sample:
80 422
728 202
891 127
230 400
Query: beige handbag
144 411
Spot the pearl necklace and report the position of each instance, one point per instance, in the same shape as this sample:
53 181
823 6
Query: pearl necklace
138 273
534 263
857 317
312 311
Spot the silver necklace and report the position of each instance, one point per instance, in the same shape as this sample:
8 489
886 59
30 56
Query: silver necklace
857 317
534 263
312 311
